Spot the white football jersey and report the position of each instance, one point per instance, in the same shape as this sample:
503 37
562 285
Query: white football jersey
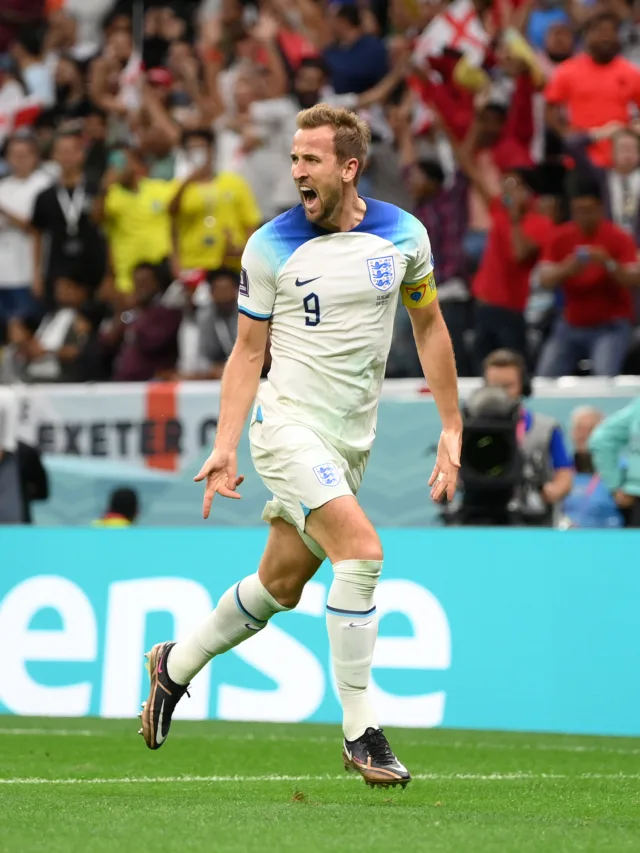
331 299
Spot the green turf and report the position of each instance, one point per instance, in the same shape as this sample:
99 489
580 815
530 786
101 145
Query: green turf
482 792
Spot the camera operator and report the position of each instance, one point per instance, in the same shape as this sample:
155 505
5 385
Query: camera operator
547 468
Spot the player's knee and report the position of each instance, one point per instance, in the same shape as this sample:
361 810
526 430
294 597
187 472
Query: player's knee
287 591
364 545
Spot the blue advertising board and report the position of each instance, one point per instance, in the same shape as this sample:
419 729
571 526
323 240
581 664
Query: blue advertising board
498 629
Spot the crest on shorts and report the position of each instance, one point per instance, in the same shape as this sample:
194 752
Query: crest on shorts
382 272
328 474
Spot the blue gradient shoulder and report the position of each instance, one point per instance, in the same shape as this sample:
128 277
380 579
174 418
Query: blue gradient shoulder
277 240
394 224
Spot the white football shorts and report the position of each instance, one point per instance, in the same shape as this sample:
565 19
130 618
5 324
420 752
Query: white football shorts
303 471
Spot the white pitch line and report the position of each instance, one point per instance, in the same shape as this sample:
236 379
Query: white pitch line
429 777
249 737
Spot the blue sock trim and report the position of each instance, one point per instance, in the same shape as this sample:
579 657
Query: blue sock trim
243 609
356 614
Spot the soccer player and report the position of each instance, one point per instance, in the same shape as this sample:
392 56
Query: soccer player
325 278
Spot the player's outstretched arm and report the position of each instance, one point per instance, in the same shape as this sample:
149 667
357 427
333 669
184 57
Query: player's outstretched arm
239 387
438 363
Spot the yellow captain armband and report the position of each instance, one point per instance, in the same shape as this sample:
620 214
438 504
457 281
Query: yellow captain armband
419 294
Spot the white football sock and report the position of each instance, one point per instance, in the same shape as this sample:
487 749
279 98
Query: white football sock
242 611
352 623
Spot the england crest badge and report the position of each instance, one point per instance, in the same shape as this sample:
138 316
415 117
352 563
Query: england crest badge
328 474
382 272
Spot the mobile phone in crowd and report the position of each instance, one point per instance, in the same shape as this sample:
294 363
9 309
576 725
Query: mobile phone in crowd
582 253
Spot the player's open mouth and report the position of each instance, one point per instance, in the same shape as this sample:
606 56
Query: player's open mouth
309 196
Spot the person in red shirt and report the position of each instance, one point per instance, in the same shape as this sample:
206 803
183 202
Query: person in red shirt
595 264
596 87
501 285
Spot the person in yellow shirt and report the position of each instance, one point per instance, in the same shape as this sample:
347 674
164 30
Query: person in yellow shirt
213 215
134 211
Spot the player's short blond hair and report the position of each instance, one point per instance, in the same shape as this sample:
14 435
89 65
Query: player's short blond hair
351 135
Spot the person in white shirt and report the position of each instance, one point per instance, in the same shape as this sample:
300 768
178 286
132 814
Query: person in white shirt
325 278
18 193
37 76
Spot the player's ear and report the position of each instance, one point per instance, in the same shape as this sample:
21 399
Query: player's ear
350 170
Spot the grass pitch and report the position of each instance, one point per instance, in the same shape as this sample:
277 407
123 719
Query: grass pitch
91 786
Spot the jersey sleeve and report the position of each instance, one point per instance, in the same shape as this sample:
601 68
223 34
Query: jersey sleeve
419 285
257 292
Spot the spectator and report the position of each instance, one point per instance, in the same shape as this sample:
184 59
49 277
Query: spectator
18 194
56 344
34 482
71 101
114 73
590 503
547 467
620 185
16 15
64 37
83 358
618 434
150 336
20 350
219 322
26 50
11 92
134 211
214 214
122 510
356 60
594 263
600 69
95 132
62 215
10 488
441 207
541 21
501 285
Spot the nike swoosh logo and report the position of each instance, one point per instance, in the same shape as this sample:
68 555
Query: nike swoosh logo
251 627
307 281
159 736
353 624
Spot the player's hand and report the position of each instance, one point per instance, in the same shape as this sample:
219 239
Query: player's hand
444 476
220 473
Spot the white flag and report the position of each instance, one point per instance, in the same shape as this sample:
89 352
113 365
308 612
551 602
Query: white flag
460 29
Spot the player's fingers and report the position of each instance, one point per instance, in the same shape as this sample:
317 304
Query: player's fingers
202 473
228 493
452 480
434 474
235 481
208 500
438 489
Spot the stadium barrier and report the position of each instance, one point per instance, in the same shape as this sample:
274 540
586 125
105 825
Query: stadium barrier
504 629
154 437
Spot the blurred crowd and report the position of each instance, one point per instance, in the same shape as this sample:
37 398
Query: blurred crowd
143 142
